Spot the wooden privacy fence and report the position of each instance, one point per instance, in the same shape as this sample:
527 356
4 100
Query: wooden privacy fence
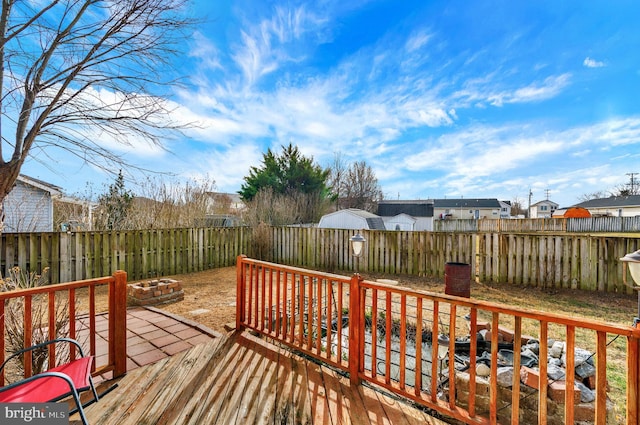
555 225
540 259
93 312
141 253
392 337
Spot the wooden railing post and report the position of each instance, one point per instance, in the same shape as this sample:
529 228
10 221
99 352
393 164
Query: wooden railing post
118 322
633 379
355 329
240 293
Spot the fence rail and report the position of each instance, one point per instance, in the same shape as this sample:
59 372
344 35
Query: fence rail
31 316
392 337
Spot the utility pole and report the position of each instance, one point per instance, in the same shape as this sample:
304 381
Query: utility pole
529 208
632 183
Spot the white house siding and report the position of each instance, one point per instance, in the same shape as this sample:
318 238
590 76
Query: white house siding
28 209
622 211
542 209
467 213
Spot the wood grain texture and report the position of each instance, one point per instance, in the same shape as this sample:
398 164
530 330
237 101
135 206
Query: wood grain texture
242 379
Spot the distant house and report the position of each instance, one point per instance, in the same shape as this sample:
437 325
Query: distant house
472 208
614 206
407 215
29 206
351 218
505 209
542 209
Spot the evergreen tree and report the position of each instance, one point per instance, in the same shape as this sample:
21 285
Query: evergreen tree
115 205
287 174
294 182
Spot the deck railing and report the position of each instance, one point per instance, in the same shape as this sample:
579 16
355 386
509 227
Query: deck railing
388 335
85 310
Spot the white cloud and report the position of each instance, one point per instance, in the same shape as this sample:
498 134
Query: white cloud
265 46
417 41
548 89
592 63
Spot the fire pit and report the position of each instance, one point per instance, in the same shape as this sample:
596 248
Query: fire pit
158 291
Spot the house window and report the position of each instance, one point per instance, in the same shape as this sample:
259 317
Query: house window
543 207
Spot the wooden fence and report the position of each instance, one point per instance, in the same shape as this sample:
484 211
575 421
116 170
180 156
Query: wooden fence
142 253
541 259
555 225
573 261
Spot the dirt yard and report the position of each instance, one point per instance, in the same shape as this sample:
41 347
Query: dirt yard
210 298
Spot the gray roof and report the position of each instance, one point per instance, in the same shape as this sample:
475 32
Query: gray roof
544 202
361 213
422 208
467 203
376 223
612 201
47 187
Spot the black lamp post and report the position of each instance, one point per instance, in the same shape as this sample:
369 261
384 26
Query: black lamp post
633 262
357 244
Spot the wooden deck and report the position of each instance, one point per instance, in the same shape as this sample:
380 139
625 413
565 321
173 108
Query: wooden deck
241 379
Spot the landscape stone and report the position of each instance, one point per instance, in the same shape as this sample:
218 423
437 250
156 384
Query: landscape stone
587 395
505 376
556 349
554 372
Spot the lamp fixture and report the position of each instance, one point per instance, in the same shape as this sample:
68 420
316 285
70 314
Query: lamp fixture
357 243
633 262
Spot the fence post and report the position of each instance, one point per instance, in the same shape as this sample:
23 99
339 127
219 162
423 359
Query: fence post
355 329
118 322
633 379
240 292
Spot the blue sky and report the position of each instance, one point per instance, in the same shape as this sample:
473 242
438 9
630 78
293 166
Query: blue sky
442 99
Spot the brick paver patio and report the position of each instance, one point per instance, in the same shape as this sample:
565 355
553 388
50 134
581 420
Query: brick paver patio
152 334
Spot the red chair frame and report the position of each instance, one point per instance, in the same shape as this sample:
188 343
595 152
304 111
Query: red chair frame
55 384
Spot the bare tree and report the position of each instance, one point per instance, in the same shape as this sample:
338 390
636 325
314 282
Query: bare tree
159 204
593 195
81 75
360 188
336 179
517 207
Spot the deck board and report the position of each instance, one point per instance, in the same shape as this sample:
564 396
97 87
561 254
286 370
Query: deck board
242 379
